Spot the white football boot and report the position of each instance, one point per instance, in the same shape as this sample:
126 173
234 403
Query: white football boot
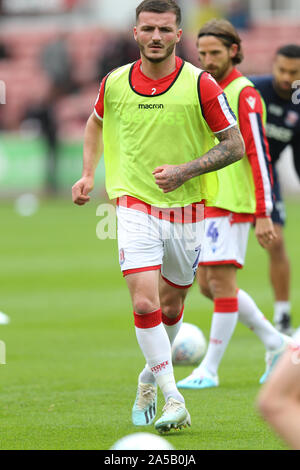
144 408
175 416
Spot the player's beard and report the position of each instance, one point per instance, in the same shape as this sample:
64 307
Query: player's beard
218 72
156 60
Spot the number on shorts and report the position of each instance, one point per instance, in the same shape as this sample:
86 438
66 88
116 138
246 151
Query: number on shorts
195 265
212 232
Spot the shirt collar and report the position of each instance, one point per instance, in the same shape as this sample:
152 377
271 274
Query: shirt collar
167 77
235 73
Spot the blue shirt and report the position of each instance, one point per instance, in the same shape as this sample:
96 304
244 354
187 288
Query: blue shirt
283 120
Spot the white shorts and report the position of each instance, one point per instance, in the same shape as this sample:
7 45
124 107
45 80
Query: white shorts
146 243
224 242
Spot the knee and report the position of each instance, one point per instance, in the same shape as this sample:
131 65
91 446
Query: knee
270 404
143 305
205 290
172 310
222 282
172 301
277 248
264 405
218 287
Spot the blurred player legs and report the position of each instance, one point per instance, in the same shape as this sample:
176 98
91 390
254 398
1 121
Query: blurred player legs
283 129
279 399
227 223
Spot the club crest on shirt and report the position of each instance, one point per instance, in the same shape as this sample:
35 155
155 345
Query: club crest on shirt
291 118
121 256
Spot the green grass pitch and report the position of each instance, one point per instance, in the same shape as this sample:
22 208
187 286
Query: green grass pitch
72 356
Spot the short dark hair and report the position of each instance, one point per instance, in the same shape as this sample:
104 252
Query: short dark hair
159 6
292 51
226 33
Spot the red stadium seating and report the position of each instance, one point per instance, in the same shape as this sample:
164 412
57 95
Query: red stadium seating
26 83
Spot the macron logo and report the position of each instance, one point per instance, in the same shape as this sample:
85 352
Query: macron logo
251 101
151 106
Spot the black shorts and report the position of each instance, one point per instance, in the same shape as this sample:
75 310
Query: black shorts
278 214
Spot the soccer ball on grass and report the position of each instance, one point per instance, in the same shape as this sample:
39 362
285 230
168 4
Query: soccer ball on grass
189 345
142 441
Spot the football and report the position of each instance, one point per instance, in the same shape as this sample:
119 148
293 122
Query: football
189 346
142 441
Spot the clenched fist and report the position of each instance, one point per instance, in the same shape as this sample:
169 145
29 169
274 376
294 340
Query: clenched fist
81 189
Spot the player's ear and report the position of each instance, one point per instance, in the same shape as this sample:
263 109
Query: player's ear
135 32
233 50
179 34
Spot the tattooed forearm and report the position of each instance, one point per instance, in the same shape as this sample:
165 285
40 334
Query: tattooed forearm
230 149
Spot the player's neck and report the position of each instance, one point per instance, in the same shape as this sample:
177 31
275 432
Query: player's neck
225 74
158 70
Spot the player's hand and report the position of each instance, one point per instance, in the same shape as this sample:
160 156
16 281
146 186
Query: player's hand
169 177
264 231
81 189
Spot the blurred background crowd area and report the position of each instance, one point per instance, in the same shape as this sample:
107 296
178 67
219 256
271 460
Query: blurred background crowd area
54 54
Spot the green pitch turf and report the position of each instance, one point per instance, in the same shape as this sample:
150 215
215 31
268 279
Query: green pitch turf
72 355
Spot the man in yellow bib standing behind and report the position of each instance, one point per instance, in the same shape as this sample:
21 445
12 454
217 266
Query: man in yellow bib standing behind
165 127
244 197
